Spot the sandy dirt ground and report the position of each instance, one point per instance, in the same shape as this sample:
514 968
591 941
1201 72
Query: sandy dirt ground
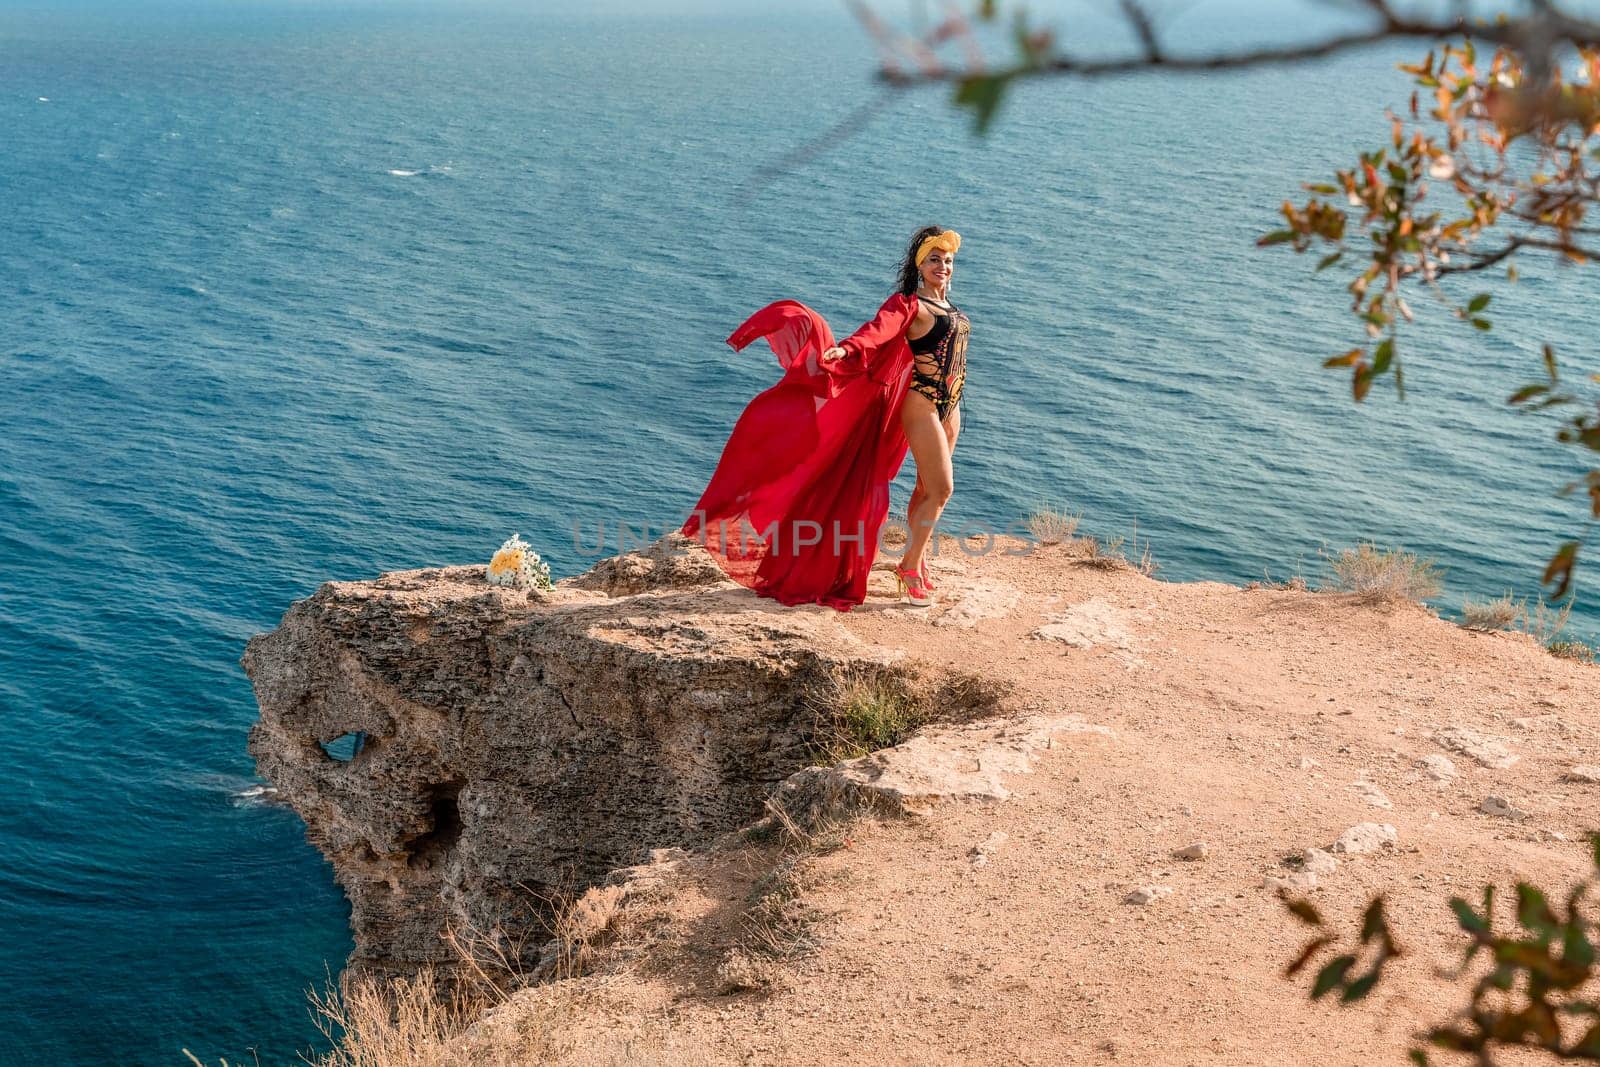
1260 722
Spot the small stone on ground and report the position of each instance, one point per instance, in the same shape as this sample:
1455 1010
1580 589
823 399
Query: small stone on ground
1502 808
1371 794
1486 750
1319 862
1146 894
1299 880
1366 837
1438 767
981 852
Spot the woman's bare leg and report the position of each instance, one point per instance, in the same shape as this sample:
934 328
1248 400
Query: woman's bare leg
952 430
930 448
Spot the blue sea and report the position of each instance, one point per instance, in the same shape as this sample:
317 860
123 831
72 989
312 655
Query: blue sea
292 292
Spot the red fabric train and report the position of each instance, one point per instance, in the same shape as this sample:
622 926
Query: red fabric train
795 506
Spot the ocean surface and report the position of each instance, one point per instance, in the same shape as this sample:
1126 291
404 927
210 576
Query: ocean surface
292 292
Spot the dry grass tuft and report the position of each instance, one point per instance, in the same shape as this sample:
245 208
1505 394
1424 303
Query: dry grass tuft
1502 613
401 1022
1295 583
963 697
428 1022
1114 553
1384 573
776 926
1058 526
1541 622
417 1023
1054 526
779 924
1544 623
1575 650
813 819
396 1023
1102 555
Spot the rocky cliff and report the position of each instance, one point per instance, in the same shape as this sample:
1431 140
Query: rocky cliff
465 754
1128 770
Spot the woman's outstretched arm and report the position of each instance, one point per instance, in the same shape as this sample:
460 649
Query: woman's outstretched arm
891 321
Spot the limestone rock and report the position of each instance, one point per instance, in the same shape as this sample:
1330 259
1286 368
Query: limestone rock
982 599
1094 622
937 765
1586 773
1502 808
1438 767
1487 751
981 852
1297 881
673 562
1371 794
1197 851
1543 722
1366 837
1318 862
1147 894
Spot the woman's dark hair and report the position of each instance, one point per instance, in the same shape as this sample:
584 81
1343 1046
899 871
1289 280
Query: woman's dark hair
909 276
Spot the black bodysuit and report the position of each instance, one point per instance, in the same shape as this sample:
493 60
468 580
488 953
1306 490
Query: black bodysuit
939 358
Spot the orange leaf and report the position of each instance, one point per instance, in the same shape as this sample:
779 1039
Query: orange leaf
1361 381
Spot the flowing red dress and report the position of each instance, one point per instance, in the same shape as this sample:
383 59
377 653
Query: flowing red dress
797 501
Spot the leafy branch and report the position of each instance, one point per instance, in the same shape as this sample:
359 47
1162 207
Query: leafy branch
909 60
1517 153
1538 992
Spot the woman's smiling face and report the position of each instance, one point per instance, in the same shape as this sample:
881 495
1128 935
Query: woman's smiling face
938 268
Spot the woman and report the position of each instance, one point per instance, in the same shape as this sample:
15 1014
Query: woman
797 501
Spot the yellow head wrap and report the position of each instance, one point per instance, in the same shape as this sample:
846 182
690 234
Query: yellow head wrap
948 241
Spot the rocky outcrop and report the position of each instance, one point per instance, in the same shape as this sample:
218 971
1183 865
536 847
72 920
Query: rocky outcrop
465 754
1091 843
968 762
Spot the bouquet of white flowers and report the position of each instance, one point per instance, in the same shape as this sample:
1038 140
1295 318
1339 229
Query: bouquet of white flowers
519 566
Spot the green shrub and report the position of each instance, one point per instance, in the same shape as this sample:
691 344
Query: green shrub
863 711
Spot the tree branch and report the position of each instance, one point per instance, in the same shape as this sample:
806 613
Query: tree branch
1538 32
1483 260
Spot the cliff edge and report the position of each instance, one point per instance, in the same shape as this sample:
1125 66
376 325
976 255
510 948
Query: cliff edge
1115 775
465 754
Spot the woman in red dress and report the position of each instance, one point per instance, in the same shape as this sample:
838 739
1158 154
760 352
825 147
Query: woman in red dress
800 495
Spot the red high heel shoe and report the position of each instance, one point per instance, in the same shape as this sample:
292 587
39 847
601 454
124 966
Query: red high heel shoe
913 588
